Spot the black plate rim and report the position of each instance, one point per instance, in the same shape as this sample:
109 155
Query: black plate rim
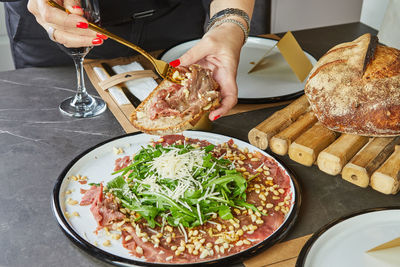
310 242
102 255
265 100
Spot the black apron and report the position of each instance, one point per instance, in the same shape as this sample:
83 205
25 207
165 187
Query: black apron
151 24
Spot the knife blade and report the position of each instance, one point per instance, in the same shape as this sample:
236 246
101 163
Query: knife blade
261 59
370 51
131 97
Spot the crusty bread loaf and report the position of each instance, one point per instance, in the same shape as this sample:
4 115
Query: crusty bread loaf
142 120
355 88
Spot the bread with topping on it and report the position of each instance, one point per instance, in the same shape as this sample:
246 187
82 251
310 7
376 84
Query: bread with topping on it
355 88
173 108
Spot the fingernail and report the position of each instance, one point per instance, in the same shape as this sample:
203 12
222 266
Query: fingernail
102 36
175 63
97 41
216 117
76 7
82 25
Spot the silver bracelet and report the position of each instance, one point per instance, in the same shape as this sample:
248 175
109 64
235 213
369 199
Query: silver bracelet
229 12
234 21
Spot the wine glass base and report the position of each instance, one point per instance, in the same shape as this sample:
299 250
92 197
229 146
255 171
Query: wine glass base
88 107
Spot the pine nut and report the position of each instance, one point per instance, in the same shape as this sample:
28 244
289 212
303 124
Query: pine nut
239 243
116 236
269 205
204 254
139 250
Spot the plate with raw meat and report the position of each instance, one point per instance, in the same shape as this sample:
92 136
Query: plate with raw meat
189 199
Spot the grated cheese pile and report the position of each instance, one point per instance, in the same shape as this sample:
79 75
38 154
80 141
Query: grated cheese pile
181 168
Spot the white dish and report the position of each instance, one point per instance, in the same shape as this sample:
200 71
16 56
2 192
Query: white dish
344 242
97 163
275 83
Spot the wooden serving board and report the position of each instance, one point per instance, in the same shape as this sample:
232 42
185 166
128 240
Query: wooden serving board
123 112
361 160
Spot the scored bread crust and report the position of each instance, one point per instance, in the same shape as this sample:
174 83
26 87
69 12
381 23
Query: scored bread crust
165 125
351 97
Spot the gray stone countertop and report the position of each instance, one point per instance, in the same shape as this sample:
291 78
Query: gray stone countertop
37 142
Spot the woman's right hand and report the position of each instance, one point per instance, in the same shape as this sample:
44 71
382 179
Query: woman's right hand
71 30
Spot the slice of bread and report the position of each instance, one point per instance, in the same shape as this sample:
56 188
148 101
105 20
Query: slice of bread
142 119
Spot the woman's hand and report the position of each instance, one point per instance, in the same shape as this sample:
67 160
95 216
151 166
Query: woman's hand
71 30
219 50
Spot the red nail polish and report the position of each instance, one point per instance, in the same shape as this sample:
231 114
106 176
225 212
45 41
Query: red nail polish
76 7
82 25
96 41
175 63
216 117
102 36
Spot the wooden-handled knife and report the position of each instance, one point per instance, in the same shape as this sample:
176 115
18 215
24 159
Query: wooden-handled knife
131 97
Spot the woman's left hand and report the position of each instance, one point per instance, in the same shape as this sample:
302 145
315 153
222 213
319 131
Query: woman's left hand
219 50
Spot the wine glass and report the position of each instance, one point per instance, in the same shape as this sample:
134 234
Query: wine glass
82 104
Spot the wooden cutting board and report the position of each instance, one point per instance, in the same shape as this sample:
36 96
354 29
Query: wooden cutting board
122 113
281 255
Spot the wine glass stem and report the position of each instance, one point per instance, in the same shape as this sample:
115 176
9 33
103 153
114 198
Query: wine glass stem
81 89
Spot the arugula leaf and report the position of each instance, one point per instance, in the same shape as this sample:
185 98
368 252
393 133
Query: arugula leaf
225 212
239 186
148 212
117 182
248 206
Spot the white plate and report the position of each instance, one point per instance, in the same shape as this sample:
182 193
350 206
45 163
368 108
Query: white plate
97 163
275 83
344 242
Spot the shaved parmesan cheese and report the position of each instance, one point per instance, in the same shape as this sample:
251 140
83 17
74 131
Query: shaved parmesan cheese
174 166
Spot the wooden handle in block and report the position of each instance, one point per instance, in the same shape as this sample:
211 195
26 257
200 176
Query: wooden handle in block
332 159
280 143
360 168
386 179
306 148
262 133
